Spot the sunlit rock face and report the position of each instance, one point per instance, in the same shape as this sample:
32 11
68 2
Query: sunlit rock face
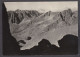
50 25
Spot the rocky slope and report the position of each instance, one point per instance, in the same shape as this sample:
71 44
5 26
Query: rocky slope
50 25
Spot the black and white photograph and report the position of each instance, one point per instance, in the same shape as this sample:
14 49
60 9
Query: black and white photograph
40 28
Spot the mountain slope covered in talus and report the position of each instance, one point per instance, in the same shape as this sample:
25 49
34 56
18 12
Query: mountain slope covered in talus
50 25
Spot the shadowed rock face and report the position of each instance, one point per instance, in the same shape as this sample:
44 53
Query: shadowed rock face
44 43
69 44
10 45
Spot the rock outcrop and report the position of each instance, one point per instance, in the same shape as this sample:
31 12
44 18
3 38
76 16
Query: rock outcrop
10 45
69 44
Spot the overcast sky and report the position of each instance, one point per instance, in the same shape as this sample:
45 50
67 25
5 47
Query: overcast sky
41 6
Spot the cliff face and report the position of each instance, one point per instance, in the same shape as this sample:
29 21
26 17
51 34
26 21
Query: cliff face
10 45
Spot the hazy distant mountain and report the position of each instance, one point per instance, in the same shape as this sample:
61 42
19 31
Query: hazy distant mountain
50 25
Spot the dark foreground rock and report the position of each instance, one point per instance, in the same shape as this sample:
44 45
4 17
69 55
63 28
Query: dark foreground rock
10 45
44 48
69 44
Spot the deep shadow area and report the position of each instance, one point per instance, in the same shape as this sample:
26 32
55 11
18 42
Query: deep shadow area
68 44
44 48
10 45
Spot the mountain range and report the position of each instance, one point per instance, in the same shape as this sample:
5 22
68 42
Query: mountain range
32 24
17 41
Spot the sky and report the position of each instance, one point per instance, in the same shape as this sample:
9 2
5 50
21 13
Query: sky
42 6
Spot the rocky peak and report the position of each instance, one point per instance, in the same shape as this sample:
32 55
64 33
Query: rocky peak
66 14
18 15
